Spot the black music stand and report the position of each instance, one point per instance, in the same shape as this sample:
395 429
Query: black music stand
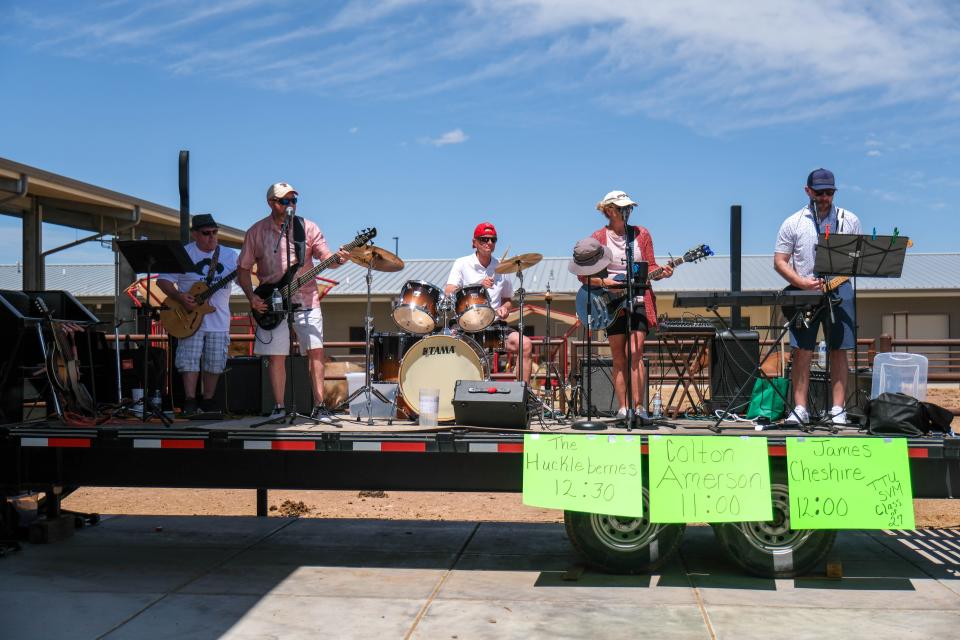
149 257
854 256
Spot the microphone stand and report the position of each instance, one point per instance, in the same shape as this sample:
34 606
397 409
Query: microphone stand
589 424
628 374
283 231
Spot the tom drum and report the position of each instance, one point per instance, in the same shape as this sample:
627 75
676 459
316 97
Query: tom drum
417 309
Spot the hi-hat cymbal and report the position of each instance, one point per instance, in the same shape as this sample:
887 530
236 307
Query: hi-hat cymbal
518 263
377 258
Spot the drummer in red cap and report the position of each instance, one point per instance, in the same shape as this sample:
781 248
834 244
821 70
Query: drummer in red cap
480 268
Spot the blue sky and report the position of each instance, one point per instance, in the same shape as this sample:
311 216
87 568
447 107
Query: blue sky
424 118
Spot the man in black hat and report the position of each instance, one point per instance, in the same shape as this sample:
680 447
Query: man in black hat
212 263
793 259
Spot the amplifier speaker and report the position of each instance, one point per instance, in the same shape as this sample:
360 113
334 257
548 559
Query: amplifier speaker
734 358
603 396
238 390
304 392
482 403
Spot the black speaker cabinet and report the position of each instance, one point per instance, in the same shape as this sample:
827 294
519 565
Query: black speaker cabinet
301 382
483 403
603 400
238 390
820 398
734 358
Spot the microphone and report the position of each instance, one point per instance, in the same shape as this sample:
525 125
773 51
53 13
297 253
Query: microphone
283 228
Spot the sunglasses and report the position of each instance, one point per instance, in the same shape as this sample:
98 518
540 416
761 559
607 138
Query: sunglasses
486 239
825 192
286 201
209 232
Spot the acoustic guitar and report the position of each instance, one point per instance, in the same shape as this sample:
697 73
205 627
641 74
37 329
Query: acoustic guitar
183 323
288 285
606 305
63 369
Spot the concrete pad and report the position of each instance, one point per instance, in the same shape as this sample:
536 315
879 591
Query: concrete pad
53 615
381 535
159 531
594 619
748 623
116 569
274 616
503 538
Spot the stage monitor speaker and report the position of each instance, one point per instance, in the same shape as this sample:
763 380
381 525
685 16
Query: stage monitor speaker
604 398
734 358
238 390
484 403
303 386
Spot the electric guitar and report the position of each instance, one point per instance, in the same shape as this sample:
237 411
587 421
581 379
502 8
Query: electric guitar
63 369
605 305
183 323
289 285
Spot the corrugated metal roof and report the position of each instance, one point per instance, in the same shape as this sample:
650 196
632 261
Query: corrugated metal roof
921 271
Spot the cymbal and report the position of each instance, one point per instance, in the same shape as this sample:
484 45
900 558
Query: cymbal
378 258
518 263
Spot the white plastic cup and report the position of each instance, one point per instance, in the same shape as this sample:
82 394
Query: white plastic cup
429 407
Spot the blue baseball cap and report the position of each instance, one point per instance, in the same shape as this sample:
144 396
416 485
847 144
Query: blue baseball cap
821 179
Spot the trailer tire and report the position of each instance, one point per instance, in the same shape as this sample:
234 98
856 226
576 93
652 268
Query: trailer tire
772 549
620 544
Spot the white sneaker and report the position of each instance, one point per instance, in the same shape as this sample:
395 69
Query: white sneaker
838 415
799 415
642 413
278 411
621 413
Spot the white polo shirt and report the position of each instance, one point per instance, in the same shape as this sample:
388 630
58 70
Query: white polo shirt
468 270
798 235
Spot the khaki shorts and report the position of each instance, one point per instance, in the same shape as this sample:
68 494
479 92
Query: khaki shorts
308 323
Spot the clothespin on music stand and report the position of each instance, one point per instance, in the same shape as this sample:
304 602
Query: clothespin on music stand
874 236
896 232
827 234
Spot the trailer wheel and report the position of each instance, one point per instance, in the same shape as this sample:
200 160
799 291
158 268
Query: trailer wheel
772 549
622 545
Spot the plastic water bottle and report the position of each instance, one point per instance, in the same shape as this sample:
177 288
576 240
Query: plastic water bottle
822 355
276 301
657 405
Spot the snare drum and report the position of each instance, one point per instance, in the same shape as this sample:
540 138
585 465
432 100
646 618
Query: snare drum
388 349
416 310
472 306
438 362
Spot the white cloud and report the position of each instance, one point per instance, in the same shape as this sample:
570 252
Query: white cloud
713 66
456 136
874 153
353 129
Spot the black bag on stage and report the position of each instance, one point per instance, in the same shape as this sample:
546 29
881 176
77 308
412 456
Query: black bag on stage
900 414
896 414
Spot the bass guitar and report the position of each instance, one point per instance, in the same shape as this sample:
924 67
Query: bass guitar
605 305
183 323
276 294
63 370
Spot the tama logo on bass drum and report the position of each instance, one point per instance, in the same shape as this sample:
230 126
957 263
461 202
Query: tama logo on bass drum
436 351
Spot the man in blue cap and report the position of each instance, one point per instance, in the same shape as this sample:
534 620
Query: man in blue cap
793 259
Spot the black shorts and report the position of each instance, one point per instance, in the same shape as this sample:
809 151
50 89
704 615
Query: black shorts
619 326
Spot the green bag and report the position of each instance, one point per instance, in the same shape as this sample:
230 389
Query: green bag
766 401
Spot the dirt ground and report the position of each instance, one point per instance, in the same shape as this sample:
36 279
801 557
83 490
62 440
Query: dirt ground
395 505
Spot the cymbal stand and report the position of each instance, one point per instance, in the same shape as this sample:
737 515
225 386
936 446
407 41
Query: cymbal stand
521 293
368 389
548 299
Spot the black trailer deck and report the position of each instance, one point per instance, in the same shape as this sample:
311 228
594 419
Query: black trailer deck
354 455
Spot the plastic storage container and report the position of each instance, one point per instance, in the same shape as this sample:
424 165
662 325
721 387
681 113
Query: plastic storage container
379 408
900 373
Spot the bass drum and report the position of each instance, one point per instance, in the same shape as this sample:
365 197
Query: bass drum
437 362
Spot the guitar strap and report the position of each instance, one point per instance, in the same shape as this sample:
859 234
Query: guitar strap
299 239
212 269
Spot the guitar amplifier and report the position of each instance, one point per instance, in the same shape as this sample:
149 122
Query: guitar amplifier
484 403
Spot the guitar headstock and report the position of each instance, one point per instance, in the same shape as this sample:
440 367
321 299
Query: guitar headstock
364 236
42 307
698 253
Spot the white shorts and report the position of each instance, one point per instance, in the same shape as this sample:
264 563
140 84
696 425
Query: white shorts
308 323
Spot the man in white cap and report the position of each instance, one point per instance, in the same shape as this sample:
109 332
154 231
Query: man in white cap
258 250
793 259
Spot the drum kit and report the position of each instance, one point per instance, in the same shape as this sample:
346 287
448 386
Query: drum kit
443 338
